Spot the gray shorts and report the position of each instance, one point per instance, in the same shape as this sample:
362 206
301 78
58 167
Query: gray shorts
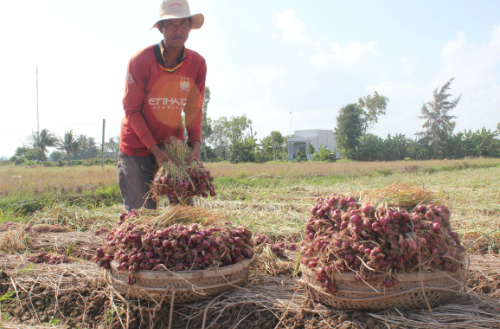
135 177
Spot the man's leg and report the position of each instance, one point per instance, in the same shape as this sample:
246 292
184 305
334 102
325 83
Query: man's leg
135 175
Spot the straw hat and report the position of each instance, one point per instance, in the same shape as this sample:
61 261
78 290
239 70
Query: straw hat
174 9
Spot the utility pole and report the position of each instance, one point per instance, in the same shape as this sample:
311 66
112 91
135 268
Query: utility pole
37 112
290 122
274 150
103 139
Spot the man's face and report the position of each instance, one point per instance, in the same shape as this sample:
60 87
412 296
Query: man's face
175 31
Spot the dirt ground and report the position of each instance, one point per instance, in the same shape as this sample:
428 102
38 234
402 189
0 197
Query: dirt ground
75 296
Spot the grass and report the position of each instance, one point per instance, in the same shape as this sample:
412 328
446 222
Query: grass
17 180
25 203
274 198
40 180
308 169
279 206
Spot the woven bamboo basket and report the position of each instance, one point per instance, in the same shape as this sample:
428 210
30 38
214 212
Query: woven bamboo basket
414 291
179 287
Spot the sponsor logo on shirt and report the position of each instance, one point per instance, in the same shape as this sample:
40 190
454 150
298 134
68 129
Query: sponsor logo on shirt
184 84
167 103
175 4
130 78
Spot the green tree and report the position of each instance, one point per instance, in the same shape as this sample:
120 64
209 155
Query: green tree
300 156
438 123
225 132
88 150
32 154
56 156
274 145
41 142
349 129
21 151
324 154
112 147
310 149
372 107
206 123
69 144
243 149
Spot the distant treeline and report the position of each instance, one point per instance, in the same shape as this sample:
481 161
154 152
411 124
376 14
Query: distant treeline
436 141
72 149
234 139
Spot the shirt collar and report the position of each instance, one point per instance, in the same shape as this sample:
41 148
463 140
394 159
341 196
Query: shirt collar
162 48
170 70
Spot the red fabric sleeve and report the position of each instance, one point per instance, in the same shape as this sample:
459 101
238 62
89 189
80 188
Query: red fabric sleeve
137 76
194 104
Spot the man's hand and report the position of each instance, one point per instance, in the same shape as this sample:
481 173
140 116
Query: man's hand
161 156
195 154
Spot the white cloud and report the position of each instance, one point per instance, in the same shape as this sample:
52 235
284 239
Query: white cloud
269 75
406 67
346 56
74 70
475 69
293 29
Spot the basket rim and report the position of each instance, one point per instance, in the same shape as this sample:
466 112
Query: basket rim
380 295
402 277
187 275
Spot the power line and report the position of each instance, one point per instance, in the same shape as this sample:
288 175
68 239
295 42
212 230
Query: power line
62 125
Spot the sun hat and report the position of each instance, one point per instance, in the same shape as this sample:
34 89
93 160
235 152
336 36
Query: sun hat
175 9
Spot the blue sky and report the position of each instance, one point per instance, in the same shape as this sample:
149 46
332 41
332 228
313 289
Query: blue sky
264 59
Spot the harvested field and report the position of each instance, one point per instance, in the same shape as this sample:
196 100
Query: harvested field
75 295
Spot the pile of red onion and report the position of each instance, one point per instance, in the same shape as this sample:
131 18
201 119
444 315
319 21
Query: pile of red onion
176 248
127 215
278 248
193 180
376 244
52 259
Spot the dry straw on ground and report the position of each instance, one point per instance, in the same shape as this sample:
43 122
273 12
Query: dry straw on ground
283 297
15 240
400 195
305 169
72 244
180 215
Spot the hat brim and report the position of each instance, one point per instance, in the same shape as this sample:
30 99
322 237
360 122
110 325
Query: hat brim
197 19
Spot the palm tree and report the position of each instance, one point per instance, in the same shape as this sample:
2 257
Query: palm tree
438 122
41 142
70 143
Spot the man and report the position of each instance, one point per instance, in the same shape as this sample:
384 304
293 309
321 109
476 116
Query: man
162 81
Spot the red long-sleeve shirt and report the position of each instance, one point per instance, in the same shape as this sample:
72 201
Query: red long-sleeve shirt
154 100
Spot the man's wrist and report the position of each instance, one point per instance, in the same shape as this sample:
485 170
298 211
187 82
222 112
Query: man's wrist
195 144
155 149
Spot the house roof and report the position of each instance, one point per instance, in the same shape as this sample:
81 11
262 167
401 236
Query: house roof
299 139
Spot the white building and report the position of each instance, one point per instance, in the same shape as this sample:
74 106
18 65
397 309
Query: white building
316 137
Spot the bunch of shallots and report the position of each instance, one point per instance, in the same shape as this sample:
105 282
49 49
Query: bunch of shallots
181 178
176 248
44 257
278 248
377 243
185 182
